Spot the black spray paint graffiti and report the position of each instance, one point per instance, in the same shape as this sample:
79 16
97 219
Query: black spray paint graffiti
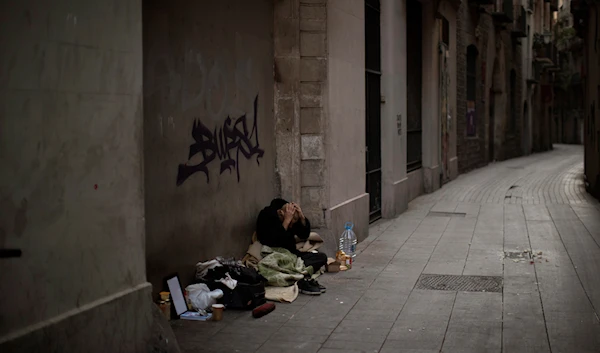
219 144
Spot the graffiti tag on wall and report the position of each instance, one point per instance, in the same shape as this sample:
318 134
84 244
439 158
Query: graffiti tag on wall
225 144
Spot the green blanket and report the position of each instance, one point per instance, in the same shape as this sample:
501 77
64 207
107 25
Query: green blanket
281 268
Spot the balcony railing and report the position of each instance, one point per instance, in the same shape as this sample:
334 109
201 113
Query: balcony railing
520 27
503 12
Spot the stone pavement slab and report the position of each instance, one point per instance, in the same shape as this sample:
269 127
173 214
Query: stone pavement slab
549 303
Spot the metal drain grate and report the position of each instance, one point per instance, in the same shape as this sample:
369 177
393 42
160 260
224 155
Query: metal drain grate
446 214
460 283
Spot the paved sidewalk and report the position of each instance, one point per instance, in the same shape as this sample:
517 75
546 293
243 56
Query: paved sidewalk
547 304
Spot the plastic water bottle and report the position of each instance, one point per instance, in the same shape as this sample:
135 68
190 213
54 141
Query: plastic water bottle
348 242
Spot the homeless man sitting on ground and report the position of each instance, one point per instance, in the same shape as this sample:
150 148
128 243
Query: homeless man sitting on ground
276 227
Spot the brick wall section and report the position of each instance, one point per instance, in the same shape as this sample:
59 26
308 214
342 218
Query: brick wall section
313 78
286 96
300 78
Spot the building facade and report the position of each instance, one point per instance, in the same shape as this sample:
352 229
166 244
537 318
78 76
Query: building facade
586 21
544 64
568 85
505 79
168 126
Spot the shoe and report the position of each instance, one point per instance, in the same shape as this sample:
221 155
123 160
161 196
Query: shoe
306 287
317 284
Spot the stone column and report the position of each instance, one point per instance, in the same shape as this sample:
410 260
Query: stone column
393 109
300 78
431 134
313 78
286 96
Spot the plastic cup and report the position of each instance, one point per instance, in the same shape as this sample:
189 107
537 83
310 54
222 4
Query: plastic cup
217 311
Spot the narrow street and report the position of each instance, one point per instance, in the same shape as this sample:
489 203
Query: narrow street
527 223
145 144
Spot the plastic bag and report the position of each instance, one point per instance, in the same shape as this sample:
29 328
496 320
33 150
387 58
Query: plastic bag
202 297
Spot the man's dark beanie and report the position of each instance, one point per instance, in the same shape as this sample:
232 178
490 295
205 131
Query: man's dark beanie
278 203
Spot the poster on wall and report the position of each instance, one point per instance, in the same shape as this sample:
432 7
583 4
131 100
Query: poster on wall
471 130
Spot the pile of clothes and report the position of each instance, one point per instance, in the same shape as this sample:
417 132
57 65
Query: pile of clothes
281 268
243 287
265 273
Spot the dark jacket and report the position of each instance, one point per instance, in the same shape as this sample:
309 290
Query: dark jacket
270 231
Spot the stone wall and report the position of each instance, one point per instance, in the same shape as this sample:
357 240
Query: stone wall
498 54
209 130
472 29
344 134
510 141
592 98
394 87
319 112
71 185
313 116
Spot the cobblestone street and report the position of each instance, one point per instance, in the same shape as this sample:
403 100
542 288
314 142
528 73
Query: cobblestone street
528 221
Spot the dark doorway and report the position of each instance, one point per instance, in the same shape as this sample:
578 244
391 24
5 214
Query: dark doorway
414 74
373 106
491 127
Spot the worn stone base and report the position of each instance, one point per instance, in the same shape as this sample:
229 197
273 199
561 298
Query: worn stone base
431 178
414 187
453 168
355 210
401 197
120 323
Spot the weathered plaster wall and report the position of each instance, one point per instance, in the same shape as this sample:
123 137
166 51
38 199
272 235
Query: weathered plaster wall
430 100
208 116
345 101
449 11
71 187
393 111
